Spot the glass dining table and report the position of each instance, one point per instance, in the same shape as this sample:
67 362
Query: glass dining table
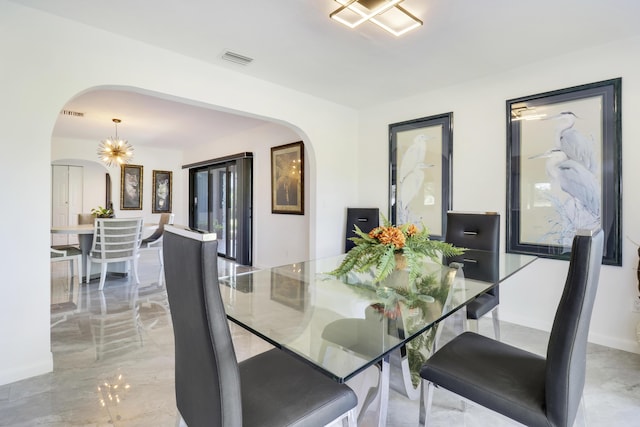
343 326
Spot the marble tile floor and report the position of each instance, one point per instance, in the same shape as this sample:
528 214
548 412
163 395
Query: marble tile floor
113 365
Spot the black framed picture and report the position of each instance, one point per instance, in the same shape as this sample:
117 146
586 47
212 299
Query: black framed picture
564 169
287 179
420 172
162 192
131 187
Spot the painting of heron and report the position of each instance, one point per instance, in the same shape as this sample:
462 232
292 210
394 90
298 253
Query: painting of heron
564 169
566 158
420 156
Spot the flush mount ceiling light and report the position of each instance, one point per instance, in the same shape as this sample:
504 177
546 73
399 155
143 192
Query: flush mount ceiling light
115 151
387 14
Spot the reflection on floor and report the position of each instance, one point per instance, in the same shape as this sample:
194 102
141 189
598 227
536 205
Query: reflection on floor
113 365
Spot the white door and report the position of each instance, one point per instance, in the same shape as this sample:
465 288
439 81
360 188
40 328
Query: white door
66 200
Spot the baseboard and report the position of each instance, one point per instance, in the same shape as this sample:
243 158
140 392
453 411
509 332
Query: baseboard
17 373
630 345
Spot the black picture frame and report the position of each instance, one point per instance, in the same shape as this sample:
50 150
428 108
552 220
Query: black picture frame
420 156
162 191
564 169
287 179
131 180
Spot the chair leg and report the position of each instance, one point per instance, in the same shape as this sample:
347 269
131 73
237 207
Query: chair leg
581 415
179 420
88 272
135 270
349 420
426 398
79 262
103 275
473 325
496 323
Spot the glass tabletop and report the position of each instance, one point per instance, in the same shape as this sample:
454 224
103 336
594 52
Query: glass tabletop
343 325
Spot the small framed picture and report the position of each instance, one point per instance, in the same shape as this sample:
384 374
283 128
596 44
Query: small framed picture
131 187
162 182
287 179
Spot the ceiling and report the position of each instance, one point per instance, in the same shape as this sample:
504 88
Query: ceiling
294 43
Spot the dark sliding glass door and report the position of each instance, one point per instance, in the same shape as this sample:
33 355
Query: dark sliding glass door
221 194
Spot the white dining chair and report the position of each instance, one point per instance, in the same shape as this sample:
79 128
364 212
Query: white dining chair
115 240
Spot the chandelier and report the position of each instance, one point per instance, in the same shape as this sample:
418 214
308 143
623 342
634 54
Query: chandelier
387 14
115 151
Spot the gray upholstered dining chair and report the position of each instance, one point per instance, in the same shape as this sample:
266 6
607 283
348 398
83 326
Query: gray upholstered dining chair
115 240
86 218
154 241
523 386
212 389
71 254
480 232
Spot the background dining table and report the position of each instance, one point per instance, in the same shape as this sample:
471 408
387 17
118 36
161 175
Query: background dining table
85 240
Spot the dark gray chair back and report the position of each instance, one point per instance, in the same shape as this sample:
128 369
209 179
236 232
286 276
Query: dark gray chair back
567 349
207 374
474 230
479 232
365 218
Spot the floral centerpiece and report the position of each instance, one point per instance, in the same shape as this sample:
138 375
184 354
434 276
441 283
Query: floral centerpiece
388 247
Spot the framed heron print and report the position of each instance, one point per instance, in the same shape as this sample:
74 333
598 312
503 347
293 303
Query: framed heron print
564 169
420 172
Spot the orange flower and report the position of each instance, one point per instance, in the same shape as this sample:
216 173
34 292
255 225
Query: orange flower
412 230
390 236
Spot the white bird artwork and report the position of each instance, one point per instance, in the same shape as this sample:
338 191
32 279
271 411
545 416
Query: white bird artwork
411 174
573 143
574 179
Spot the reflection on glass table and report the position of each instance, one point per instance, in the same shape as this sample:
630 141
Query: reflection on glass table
344 326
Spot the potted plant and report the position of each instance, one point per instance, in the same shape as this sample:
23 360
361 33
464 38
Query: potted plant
101 212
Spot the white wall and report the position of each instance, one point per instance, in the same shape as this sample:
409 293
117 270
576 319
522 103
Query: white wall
47 61
277 238
479 175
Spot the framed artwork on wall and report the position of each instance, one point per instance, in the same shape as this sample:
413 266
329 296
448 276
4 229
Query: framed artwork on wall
564 169
287 179
162 191
131 187
420 172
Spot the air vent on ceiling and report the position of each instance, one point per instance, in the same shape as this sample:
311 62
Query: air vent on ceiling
236 58
71 113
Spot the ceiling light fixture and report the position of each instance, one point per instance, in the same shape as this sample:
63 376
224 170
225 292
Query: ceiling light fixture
115 151
387 14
